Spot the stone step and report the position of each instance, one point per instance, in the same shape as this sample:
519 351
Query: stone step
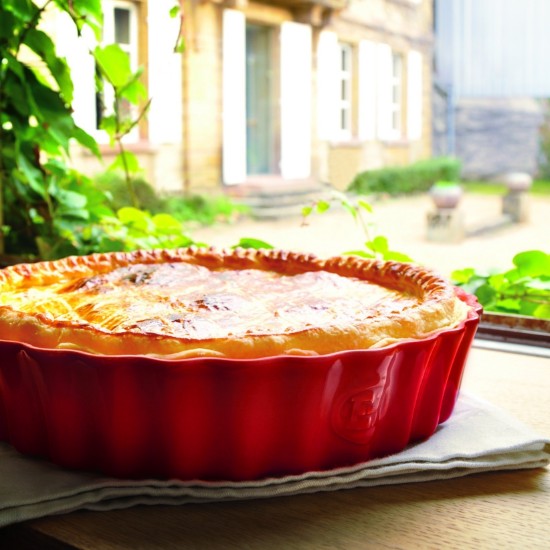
277 199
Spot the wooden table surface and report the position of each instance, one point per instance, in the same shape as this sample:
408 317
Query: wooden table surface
492 510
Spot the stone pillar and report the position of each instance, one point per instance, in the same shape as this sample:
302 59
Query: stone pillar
446 223
515 204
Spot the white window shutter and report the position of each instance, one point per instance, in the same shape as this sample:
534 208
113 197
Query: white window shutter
296 77
367 90
234 97
384 100
327 86
414 95
165 76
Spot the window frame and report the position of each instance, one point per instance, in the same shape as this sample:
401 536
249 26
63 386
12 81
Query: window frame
345 90
396 103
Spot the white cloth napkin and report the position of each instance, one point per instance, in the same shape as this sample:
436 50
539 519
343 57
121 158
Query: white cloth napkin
478 437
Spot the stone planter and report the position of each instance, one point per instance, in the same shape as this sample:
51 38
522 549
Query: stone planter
515 204
517 182
446 224
446 196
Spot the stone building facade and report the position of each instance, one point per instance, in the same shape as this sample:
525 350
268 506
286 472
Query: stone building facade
270 94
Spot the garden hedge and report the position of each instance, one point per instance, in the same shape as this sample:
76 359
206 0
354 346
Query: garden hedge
398 180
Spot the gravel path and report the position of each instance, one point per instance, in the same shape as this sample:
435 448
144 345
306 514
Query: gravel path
403 222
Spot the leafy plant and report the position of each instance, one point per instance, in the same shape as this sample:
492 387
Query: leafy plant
445 185
192 209
522 290
376 246
121 117
38 189
204 210
47 208
133 228
396 180
249 242
114 184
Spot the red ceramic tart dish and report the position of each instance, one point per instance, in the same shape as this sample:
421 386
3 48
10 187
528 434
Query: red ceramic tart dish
217 365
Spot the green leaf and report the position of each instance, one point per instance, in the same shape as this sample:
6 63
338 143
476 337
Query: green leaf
497 281
539 284
361 253
527 307
87 141
32 174
397 256
512 305
462 276
18 98
7 24
55 119
351 209
87 13
513 275
114 64
110 125
257 244
174 11
542 311
532 263
167 224
43 46
306 211
35 216
134 91
180 46
126 162
129 215
322 206
378 245
70 199
486 294
22 9
365 205
473 284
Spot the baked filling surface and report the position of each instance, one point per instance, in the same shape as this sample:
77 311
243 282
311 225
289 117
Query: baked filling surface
198 302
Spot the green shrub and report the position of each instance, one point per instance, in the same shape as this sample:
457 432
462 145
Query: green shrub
398 180
205 209
116 187
196 208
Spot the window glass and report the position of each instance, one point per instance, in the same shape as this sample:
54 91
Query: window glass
396 92
345 99
122 25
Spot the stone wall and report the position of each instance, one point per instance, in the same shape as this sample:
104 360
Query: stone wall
440 144
493 136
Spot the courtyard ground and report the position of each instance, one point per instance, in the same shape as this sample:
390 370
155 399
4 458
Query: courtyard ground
404 222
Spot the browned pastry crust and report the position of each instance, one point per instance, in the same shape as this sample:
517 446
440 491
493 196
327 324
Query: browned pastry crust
205 302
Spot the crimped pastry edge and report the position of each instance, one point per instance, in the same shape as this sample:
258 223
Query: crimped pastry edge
439 308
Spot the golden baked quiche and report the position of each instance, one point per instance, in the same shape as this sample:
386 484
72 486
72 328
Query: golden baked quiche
205 302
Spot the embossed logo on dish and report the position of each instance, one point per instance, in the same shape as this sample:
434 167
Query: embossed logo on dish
354 415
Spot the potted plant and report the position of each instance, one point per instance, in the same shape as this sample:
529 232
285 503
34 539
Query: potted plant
446 194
